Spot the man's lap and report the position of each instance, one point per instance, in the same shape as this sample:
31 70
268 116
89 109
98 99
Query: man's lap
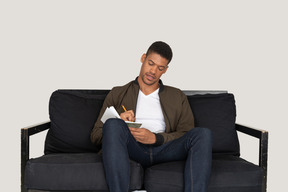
148 155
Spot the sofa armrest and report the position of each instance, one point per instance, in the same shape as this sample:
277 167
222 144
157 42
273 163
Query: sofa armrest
262 135
25 145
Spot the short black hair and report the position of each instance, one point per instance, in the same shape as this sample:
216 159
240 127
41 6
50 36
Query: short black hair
162 48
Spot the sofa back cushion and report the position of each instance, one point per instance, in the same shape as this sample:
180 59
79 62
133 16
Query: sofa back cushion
72 115
218 113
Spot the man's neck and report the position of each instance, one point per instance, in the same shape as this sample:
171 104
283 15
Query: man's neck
147 89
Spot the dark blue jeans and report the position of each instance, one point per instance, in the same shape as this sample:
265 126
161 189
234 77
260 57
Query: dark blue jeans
119 146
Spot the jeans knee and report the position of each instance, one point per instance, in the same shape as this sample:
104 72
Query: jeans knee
204 135
113 127
205 132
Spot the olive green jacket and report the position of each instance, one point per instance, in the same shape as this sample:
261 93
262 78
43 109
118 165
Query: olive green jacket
175 107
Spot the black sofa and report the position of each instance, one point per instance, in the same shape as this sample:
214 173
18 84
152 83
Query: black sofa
71 163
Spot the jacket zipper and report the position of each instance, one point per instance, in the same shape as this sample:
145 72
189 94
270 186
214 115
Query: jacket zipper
165 115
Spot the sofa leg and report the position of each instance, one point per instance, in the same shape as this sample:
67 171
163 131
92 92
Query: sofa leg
24 155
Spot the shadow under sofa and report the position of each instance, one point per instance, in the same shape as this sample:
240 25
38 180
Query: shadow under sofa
71 163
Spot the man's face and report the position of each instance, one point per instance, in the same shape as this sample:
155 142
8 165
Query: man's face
153 66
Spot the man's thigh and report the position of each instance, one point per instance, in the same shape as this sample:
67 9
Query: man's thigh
171 151
177 149
139 152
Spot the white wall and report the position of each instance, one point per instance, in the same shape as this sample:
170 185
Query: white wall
239 46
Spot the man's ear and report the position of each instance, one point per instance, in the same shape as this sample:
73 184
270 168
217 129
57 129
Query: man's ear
143 58
166 69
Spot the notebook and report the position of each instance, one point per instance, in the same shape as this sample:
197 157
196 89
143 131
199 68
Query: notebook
111 112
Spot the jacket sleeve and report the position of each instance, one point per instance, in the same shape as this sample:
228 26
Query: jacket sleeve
96 133
179 126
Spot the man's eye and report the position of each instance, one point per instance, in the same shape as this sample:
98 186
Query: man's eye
161 68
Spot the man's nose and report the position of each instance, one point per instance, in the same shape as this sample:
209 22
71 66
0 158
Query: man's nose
153 69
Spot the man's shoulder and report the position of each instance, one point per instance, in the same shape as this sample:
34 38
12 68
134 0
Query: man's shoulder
172 90
122 87
172 93
129 88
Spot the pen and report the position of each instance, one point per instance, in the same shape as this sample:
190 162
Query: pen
124 108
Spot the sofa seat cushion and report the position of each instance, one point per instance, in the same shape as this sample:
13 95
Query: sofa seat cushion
229 174
79 171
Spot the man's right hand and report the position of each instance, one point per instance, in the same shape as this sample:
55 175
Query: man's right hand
128 116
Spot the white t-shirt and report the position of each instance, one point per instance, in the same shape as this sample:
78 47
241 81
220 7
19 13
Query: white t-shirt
149 112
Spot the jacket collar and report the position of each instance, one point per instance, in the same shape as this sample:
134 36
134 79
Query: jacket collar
161 85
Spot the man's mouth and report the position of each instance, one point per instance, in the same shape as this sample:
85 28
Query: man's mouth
150 77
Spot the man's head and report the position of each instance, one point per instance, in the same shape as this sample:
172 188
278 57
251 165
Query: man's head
154 64
162 48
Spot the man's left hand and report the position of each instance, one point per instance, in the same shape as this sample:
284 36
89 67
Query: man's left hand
143 135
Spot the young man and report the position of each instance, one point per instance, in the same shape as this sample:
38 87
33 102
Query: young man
168 132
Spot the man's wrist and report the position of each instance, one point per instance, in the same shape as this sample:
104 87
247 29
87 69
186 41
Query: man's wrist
159 139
